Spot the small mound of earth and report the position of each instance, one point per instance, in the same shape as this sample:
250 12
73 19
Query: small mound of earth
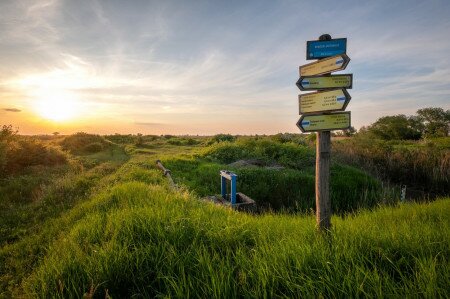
256 163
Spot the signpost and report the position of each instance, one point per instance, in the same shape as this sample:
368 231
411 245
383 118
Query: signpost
318 110
325 82
324 122
323 101
325 65
316 49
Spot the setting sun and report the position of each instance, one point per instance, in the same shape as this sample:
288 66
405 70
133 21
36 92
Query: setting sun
57 105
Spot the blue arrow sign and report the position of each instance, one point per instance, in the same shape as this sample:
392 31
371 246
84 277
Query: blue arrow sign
341 99
316 49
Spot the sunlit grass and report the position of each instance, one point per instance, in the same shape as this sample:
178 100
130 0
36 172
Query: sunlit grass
119 229
140 239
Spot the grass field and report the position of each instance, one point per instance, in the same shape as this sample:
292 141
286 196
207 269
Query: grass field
115 227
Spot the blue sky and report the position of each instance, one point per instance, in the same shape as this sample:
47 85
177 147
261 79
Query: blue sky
204 67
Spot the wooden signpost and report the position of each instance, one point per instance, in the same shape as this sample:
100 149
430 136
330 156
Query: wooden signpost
318 110
325 82
316 49
324 122
323 101
325 66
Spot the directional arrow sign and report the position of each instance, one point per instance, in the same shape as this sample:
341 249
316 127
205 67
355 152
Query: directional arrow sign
324 122
316 49
324 66
325 82
325 101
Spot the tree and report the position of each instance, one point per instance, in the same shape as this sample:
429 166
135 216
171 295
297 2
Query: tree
435 121
139 140
7 133
396 127
346 133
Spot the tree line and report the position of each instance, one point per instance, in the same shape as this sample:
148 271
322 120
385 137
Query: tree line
426 123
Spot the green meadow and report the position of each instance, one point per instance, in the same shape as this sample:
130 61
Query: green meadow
96 218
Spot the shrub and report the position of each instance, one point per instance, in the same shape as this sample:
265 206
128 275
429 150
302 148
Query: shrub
18 153
420 166
93 147
183 141
222 138
82 143
287 154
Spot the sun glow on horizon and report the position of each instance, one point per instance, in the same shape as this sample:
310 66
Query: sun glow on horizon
53 95
57 105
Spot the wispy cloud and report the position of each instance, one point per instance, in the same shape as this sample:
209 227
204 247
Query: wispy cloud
206 64
12 109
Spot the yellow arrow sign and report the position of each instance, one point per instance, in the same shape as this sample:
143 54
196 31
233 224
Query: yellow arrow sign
324 66
325 82
324 122
333 100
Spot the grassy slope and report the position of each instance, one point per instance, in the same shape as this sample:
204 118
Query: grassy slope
137 237
143 239
27 219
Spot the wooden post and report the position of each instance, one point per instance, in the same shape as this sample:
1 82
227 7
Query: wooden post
323 203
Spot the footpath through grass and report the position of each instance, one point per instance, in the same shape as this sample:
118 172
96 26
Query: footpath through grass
141 239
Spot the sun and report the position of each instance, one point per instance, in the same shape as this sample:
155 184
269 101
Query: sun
57 105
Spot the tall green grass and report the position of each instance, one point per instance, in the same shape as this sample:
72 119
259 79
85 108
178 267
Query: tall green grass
28 230
120 230
289 186
266 150
145 240
421 165
287 189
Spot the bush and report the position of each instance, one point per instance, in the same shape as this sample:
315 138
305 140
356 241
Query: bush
83 143
288 137
287 154
418 165
18 153
94 147
183 141
222 138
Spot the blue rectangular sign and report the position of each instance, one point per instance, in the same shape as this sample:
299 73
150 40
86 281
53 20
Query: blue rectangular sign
316 49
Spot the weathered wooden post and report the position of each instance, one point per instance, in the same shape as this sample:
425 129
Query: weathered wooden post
318 110
323 202
322 186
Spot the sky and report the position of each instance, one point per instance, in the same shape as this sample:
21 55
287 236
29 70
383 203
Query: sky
208 67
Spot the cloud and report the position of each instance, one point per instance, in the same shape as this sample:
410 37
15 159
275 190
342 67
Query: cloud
211 61
12 109
148 124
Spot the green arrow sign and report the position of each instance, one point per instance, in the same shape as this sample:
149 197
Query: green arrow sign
324 122
324 66
325 101
325 82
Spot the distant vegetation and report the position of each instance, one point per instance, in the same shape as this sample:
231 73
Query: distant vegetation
183 141
412 151
18 153
83 143
421 165
427 123
221 138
